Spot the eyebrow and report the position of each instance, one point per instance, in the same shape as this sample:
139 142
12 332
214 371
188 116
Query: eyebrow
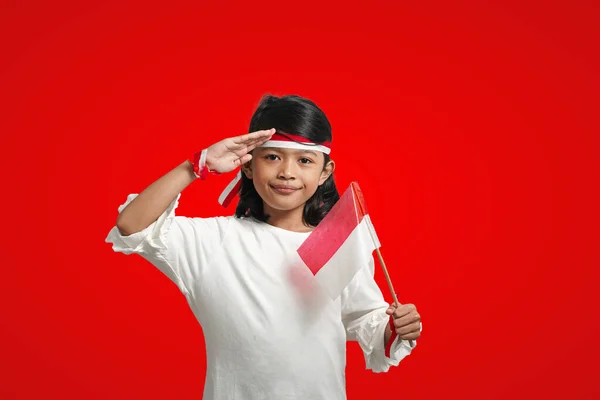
310 152
278 149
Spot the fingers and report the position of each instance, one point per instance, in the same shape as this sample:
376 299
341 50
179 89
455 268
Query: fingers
404 309
242 160
252 146
410 336
407 324
407 321
257 136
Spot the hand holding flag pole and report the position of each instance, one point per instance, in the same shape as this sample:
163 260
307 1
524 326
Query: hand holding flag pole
361 204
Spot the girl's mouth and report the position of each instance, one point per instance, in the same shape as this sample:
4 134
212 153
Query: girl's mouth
283 189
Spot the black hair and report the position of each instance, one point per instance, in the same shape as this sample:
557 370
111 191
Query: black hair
295 115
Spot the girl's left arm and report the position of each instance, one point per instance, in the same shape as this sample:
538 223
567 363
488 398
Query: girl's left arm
366 321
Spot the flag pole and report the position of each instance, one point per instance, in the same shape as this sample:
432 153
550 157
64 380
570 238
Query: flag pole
389 282
362 206
387 277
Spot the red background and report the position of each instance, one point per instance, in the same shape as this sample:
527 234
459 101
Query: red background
472 128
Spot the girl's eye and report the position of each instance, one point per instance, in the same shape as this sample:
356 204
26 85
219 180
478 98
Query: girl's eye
305 160
271 157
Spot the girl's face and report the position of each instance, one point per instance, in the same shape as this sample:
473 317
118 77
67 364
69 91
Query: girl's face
286 178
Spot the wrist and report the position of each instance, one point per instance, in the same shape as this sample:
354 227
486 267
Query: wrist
200 166
209 162
390 340
387 335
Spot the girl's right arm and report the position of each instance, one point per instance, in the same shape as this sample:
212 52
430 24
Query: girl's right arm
221 157
155 199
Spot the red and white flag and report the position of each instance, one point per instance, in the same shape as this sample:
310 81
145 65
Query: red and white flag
341 244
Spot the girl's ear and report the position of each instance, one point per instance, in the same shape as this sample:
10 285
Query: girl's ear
247 169
327 171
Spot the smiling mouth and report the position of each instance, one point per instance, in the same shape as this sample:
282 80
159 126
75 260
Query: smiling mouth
283 189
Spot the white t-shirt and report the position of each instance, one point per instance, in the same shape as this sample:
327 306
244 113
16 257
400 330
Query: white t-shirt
270 332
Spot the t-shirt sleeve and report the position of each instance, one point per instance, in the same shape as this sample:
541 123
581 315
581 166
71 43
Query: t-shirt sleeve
180 247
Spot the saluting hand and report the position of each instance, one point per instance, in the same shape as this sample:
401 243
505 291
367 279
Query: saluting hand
230 153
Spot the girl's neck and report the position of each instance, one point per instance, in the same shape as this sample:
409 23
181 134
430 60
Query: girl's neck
290 220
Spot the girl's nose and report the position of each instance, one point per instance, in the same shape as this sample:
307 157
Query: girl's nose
287 170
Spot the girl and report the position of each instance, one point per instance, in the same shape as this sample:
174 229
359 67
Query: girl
270 332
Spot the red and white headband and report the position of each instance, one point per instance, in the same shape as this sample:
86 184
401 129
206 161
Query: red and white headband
282 141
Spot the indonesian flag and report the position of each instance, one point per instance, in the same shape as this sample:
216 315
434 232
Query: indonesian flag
341 244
